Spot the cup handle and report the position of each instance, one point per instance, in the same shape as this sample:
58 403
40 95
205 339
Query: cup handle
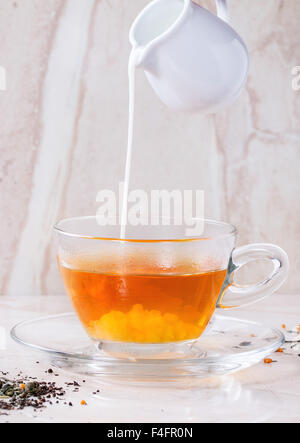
222 10
234 295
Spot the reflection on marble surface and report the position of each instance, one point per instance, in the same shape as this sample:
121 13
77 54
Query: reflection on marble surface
64 128
205 401
264 393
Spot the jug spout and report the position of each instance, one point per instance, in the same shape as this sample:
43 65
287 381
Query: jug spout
143 58
138 58
152 27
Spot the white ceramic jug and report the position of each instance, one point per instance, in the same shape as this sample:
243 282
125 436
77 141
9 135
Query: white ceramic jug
193 59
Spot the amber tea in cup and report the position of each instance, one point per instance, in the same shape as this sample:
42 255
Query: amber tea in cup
149 306
157 286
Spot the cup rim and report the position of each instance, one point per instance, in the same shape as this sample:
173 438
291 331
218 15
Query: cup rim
232 231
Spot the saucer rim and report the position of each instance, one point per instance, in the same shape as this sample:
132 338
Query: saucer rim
270 348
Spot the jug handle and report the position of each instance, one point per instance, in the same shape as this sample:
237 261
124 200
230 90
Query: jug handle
222 10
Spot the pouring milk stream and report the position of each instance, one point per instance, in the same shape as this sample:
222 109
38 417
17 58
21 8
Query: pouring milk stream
194 60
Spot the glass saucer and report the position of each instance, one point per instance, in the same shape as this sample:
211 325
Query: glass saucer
229 345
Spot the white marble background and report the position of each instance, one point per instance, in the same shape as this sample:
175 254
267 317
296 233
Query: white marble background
64 127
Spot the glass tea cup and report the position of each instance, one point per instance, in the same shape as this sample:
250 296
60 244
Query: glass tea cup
156 291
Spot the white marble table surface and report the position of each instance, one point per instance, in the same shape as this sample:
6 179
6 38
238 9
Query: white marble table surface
264 393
